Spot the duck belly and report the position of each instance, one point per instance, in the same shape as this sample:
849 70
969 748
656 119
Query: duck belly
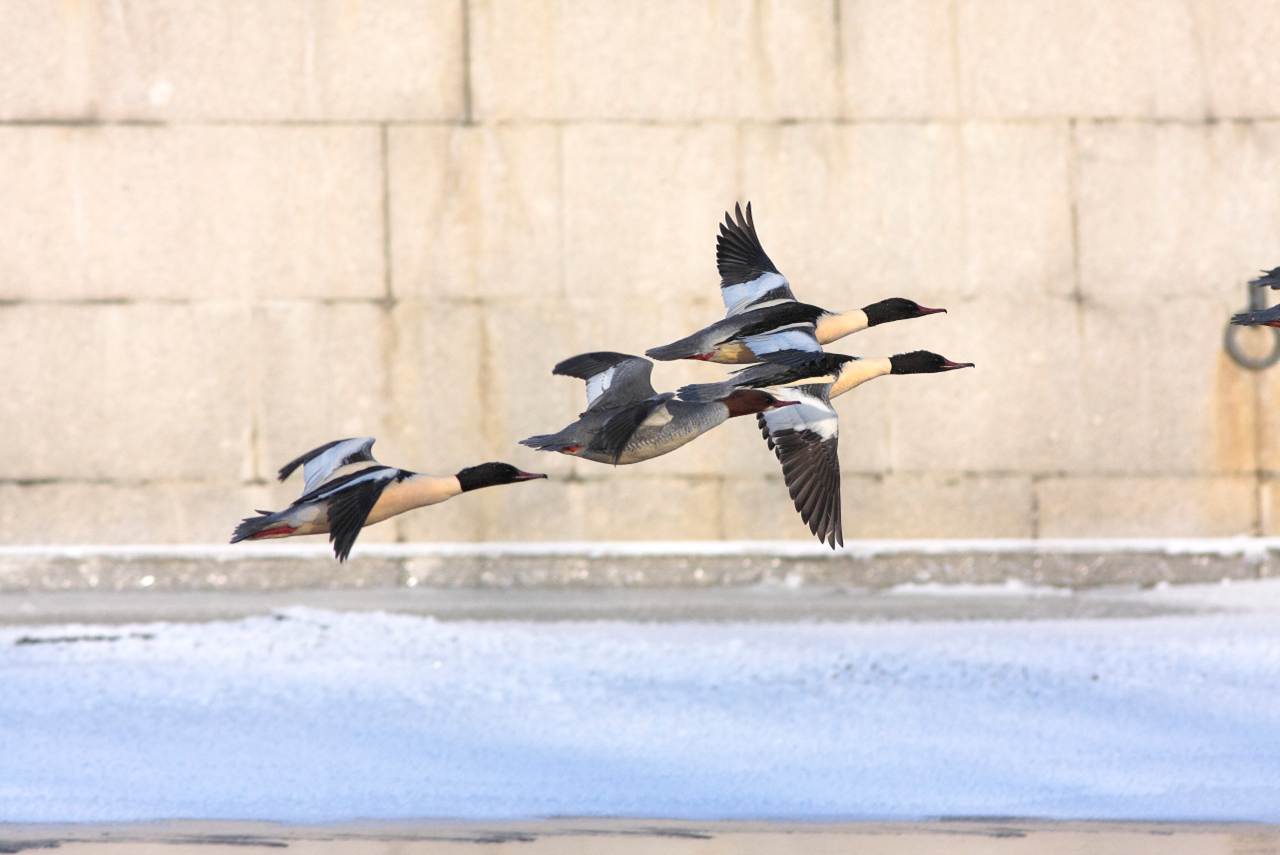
733 353
307 519
687 423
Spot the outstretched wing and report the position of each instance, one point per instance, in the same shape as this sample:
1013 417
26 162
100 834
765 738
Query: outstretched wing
747 277
1269 279
782 326
613 437
613 379
319 464
805 439
1262 317
349 509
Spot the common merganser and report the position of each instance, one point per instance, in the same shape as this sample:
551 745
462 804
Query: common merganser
780 369
805 437
626 421
762 313
346 489
1269 317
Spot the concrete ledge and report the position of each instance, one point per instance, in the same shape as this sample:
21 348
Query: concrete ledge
1010 836
868 564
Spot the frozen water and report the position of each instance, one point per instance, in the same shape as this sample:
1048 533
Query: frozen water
312 715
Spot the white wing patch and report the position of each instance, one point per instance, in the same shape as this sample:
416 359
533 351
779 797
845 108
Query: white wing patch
658 417
598 384
377 473
799 338
322 467
810 414
738 297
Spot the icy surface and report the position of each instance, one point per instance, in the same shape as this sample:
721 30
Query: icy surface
312 715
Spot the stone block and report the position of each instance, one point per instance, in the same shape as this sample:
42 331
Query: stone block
1036 58
1241 62
137 213
854 213
437 379
320 373
1082 388
317 59
81 513
126 392
523 341
898 59
1239 411
1171 209
1159 395
537 511
475 212
577 59
889 507
46 66
629 504
632 505
1269 506
1016 411
1017 196
641 209
1146 507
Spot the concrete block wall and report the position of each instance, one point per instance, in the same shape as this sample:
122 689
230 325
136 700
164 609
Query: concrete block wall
236 230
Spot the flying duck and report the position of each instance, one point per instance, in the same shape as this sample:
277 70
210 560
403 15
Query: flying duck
805 437
1262 317
762 315
780 369
626 421
345 489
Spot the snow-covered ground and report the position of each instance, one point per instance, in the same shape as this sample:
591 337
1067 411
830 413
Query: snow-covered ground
312 715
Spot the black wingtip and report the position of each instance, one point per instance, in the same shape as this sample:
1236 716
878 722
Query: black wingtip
1259 318
249 526
1268 279
584 366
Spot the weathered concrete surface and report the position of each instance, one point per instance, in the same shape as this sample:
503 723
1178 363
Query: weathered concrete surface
237 231
627 837
868 564
765 603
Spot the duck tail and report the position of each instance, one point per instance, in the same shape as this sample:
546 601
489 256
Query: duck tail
685 348
704 393
1262 317
545 442
265 525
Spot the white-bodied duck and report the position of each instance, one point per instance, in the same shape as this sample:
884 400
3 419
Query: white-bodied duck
805 438
346 489
626 421
762 314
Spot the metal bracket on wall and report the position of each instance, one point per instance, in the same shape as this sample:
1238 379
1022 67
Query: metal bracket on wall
1231 339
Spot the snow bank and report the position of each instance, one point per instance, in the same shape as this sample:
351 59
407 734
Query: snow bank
321 716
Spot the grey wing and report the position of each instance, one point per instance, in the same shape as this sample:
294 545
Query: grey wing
748 278
1260 317
613 379
319 464
1268 279
613 437
764 432
805 439
792 339
349 509
791 368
